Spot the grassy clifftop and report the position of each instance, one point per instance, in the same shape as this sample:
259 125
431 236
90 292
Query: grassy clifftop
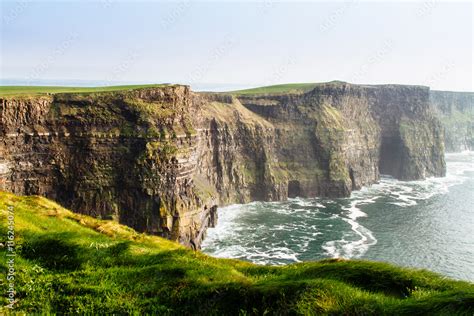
69 263
15 91
277 89
10 91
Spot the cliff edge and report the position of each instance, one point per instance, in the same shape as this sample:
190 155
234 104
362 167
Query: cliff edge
161 159
68 263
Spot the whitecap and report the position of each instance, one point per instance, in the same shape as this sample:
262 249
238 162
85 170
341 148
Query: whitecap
234 238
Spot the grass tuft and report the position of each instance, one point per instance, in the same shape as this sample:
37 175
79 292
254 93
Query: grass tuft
68 263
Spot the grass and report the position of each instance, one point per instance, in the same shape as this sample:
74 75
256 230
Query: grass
35 90
119 111
232 113
72 264
280 88
275 89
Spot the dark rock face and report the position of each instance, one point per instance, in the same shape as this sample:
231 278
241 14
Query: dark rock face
411 136
128 156
161 159
456 112
361 131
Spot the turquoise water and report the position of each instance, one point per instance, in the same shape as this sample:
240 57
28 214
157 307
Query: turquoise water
426 224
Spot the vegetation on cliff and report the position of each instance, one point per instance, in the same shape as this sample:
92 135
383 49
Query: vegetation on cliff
456 112
159 159
9 91
128 154
70 263
283 88
275 89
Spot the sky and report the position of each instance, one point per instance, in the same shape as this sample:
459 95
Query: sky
238 43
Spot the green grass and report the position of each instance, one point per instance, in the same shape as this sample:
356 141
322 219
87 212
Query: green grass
280 88
72 264
35 90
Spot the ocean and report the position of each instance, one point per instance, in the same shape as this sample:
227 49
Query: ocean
424 224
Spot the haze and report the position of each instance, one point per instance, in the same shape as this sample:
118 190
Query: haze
239 43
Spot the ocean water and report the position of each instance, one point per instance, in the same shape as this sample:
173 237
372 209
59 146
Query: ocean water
425 224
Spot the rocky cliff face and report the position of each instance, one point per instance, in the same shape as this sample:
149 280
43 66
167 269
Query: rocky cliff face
161 159
130 156
456 112
361 131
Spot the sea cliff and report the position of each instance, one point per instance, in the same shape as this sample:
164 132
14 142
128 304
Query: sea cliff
162 159
456 112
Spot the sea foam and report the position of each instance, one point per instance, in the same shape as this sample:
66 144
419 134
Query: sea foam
292 231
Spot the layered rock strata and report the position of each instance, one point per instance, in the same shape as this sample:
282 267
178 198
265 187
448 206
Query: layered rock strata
162 159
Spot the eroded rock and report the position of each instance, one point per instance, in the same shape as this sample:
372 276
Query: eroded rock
162 159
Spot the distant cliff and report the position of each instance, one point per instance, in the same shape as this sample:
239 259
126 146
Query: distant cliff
456 112
162 159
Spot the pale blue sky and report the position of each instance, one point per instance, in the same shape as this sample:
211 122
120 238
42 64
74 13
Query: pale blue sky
247 43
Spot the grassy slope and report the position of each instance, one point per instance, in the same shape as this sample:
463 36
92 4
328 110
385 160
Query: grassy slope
70 263
34 90
305 87
275 89
283 88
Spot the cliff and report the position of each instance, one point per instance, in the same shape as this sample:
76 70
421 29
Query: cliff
68 263
356 132
162 159
127 155
456 112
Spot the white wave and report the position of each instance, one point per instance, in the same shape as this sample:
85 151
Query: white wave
403 194
314 203
274 253
464 153
353 248
301 201
226 228
354 212
270 255
280 227
235 239
233 251
343 248
331 249
407 193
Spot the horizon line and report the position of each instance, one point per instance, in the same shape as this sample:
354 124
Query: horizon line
197 86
